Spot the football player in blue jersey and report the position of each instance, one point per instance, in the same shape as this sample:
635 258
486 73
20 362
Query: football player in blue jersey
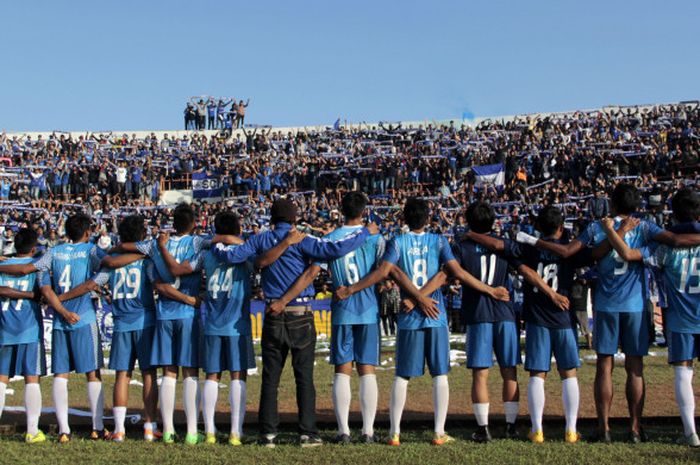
21 334
133 313
681 275
620 316
177 329
75 342
550 326
355 334
423 335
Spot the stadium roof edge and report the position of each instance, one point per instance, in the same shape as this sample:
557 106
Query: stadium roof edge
293 129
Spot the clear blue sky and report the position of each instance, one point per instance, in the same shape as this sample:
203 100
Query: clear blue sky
132 65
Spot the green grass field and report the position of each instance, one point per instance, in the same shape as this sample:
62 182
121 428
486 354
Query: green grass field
417 425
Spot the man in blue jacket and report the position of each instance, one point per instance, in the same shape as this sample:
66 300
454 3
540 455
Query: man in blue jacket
291 329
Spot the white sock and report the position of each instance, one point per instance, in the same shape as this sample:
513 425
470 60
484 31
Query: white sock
167 402
210 394
3 388
32 404
153 426
535 402
369 395
511 409
441 400
396 404
342 395
570 399
97 404
238 399
119 418
59 392
481 413
189 401
685 398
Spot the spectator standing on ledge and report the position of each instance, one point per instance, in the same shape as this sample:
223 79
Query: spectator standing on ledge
240 109
389 306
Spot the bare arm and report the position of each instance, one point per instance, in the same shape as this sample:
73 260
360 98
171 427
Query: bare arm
619 244
678 240
12 293
118 261
82 289
169 292
125 247
534 279
18 270
491 243
175 268
435 283
226 239
371 279
499 293
563 250
58 307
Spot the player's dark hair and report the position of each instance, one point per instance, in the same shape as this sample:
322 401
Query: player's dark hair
25 240
183 218
353 204
480 217
549 220
415 213
131 228
227 223
625 199
686 205
77 225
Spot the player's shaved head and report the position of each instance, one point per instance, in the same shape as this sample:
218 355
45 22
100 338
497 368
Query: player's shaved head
686 205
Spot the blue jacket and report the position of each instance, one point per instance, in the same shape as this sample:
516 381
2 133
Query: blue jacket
279 277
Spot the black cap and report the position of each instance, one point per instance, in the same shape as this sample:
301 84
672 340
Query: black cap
283 211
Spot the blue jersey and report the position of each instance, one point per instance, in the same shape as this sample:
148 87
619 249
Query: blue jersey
420 256
67 266
131 289
227 306
557 273
361 308
490 268
182 248
20 320
681 276
621 285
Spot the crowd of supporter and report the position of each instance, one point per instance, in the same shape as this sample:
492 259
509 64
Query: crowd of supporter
212 113
571 160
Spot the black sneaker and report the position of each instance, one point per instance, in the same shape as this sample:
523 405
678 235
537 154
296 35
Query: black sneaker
269 441
481 434
603 438
342 439
367 439
512 431
310 440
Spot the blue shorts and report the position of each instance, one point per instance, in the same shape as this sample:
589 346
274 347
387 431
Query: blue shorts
79 350
176 343
227 353
23 359
683 347
483 339
630 331
541 342
129 346
355 343
414 347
